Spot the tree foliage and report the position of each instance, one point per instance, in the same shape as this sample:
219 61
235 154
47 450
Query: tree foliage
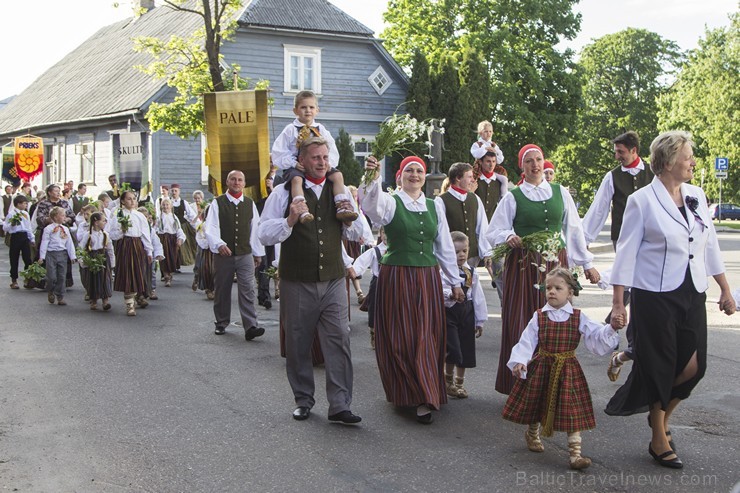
348 165
419 94
533 91
192 65
705 100
622 75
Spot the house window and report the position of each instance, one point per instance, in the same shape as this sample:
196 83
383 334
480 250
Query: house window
85 150
302 70
380 81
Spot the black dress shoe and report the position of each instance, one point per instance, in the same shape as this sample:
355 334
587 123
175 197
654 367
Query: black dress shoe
674 463
345 417
425 419
253 332
220 331
267 304
301 412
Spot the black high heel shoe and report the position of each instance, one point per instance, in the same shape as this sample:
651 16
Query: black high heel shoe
667 434
674 463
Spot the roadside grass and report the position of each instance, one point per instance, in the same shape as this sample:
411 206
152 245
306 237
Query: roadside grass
727 224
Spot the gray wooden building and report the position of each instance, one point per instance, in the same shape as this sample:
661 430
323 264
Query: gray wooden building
95 92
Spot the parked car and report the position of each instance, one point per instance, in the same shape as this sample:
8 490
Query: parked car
729 211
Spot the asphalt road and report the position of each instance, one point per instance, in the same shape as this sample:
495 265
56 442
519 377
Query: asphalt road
95 401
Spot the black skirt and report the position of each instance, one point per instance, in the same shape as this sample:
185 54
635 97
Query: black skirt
669 328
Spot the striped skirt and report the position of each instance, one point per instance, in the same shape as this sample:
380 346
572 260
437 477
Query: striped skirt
171 261
353 248
410 335
98 284
205 269
521 300
131 266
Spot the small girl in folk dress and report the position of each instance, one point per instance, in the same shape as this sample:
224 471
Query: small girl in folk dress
96 242
370 259
203 259
172 236
551 386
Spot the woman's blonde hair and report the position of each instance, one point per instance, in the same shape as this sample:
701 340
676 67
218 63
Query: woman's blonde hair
665 148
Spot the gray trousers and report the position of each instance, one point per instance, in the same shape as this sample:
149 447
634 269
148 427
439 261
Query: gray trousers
305 309
223 279
56 272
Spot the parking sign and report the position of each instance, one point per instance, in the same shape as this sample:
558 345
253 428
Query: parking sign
721 164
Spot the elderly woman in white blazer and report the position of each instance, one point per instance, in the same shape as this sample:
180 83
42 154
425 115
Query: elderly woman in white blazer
667 248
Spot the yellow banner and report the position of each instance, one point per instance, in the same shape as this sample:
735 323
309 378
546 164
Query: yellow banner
237 139
29 156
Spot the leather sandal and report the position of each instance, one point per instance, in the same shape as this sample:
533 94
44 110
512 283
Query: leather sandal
615 367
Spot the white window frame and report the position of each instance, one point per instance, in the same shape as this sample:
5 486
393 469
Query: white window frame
85 149
380 71
369 139
302 52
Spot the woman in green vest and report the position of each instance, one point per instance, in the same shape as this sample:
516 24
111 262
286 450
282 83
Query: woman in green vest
409 306
533 206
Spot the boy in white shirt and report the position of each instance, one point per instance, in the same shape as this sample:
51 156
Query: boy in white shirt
57 248
18 226
484 143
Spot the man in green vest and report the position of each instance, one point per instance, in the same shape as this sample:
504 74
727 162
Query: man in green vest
618 184
313 299
79 200
465 212
231 231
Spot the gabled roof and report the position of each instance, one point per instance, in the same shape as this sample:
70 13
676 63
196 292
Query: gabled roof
302 15
97 79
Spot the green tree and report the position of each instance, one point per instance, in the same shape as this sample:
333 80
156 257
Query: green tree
418 97
533 90
192 65
622 75
348 164
445 97
705 100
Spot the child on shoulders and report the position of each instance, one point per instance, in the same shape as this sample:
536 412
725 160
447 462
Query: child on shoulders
484 143
465 320
285 154
551 386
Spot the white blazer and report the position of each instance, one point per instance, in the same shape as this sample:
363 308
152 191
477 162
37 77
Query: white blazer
656 244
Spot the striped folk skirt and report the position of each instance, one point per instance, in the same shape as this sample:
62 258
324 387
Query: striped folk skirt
98 284
205 269
353 248
171 261
131 266
521 300
410 335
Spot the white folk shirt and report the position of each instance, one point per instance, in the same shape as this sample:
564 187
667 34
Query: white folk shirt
599 339
285 153
24 226
595 218
97 242
502 222
213 227
481 221
139 228
475 294
57 238
369 260
170 224
381 208
478 150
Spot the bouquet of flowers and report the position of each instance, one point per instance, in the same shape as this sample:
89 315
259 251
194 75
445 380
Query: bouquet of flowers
16 219
396 133
125 186
546 244
93 262
271 272
35 272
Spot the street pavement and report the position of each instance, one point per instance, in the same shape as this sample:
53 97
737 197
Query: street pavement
101 402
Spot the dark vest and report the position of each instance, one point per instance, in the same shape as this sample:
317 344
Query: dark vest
313 251
7 200
462 216
490 195
625 185
179 211
235 223
78 203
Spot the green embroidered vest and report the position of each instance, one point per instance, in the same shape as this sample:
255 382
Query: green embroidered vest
542 215
313 251
235 223
410 236
463 216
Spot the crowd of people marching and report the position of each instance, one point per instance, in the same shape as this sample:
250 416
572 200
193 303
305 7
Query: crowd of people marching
425 303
